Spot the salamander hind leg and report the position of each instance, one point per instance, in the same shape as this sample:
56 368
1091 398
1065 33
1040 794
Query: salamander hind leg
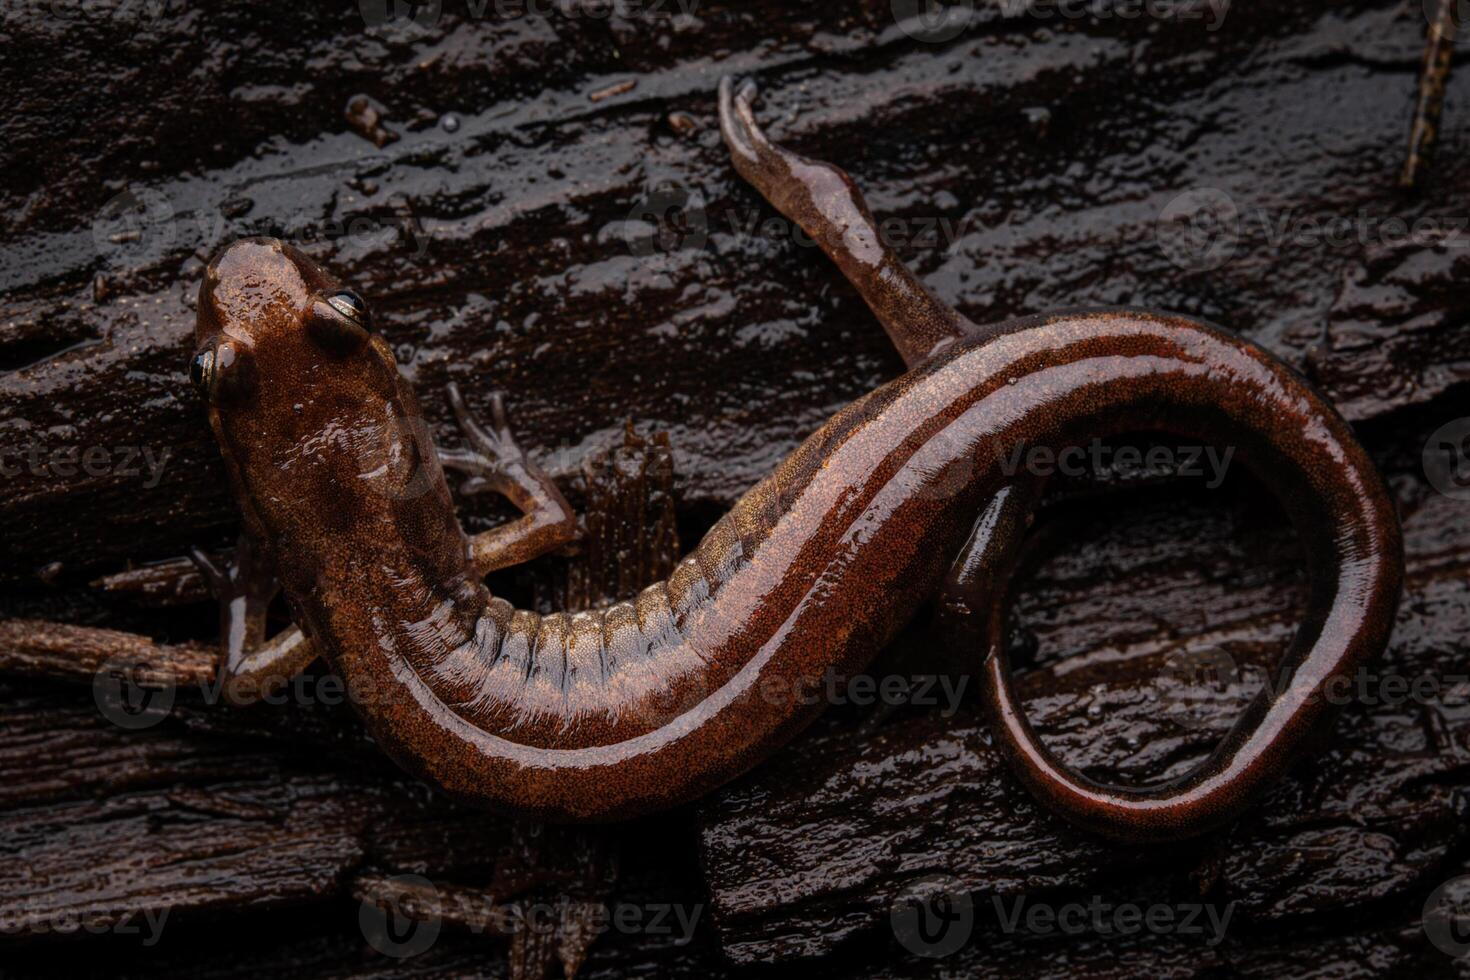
495 462
253 665
825 202
972 599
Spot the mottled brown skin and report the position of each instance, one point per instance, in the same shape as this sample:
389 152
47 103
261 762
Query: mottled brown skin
644 704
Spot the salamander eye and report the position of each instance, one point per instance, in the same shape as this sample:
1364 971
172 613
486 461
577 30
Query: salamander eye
216 373
339 321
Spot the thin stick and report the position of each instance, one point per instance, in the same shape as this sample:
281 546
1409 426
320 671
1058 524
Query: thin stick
37 648
1434 76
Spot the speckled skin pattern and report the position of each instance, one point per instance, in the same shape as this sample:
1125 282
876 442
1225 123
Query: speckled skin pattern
648 703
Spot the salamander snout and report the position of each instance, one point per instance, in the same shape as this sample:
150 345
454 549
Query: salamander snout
262 299
254 286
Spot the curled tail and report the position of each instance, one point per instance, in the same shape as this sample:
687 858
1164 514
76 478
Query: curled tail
1297 445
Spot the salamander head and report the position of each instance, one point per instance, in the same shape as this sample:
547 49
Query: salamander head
318 430
271 321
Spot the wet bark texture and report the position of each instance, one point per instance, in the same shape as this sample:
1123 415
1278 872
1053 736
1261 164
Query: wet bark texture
541 204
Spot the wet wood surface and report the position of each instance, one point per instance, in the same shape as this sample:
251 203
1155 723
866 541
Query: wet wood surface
495 184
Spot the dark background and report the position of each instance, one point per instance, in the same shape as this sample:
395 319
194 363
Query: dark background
1038 161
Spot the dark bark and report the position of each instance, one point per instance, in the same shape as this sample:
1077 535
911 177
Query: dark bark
502 254
1037 163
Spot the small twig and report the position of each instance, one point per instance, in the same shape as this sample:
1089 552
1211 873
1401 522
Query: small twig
471 908
1434 76
39 648
171 583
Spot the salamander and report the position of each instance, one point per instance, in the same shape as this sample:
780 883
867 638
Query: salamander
902 497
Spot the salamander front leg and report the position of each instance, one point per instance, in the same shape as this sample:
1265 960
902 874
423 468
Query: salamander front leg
253 666
496 463
828 206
